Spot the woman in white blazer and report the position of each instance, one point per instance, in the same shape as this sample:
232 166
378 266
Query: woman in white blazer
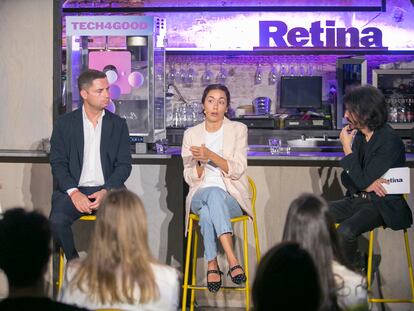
215 161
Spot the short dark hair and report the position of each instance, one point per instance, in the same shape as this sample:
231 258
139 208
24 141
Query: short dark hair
24 246
216 87
286 279
86 78
368 105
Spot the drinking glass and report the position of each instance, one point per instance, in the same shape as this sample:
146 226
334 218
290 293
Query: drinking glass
161 145
274 145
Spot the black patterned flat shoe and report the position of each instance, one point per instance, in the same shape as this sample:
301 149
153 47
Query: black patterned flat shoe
214 287
239 278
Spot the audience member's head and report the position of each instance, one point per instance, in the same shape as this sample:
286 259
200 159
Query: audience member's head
119 247
24 247
286 279
309 223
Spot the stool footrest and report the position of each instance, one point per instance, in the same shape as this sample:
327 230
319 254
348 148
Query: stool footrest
391 300
235 288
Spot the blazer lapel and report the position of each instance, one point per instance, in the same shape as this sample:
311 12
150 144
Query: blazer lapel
198 138
107 127
79 138
228 137
373 144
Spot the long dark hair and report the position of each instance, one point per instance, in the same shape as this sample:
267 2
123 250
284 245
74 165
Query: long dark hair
367 104
286 279
309 223
216 87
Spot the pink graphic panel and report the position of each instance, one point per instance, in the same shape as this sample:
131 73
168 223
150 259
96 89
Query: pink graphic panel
118 63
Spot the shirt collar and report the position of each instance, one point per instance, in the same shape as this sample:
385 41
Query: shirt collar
85 117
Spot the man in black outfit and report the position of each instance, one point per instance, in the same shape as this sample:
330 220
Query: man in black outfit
24 255
89 154
371 148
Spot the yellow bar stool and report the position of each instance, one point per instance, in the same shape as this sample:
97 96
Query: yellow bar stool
61 254
410 271
191 254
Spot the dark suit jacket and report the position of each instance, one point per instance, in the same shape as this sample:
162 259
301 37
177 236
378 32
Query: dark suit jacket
368 162
66 150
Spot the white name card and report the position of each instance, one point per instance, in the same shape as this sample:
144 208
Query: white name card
399 178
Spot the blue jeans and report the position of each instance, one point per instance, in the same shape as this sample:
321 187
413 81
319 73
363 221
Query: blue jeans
215 207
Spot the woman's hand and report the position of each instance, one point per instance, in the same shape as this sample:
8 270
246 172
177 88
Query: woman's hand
201 154
377 187
346 137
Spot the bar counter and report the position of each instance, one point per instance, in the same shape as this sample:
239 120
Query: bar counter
256 154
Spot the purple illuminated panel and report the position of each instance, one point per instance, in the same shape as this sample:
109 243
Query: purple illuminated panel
199 30
241 30
221 3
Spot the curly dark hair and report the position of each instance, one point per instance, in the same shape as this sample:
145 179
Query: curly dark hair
367 104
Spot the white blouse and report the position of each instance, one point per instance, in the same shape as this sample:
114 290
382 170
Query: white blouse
352 288
212 174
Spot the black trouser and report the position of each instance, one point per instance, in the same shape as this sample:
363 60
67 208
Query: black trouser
62 216
356 216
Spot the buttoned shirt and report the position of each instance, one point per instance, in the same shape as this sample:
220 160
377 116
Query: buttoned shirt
92 173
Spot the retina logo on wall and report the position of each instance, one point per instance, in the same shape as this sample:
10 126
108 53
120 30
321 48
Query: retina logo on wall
277 34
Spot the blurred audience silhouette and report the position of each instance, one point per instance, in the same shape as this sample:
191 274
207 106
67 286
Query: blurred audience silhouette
25 246
286 279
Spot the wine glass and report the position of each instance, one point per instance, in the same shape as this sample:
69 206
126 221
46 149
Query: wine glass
272 75
293 69
182 74
283 70
310 69
221 75
258 75
189 79
207 76
172 74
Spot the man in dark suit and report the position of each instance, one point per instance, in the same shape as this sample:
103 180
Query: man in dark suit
371 148
89 154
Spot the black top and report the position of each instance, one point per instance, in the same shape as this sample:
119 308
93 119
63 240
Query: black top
368 162
34 303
